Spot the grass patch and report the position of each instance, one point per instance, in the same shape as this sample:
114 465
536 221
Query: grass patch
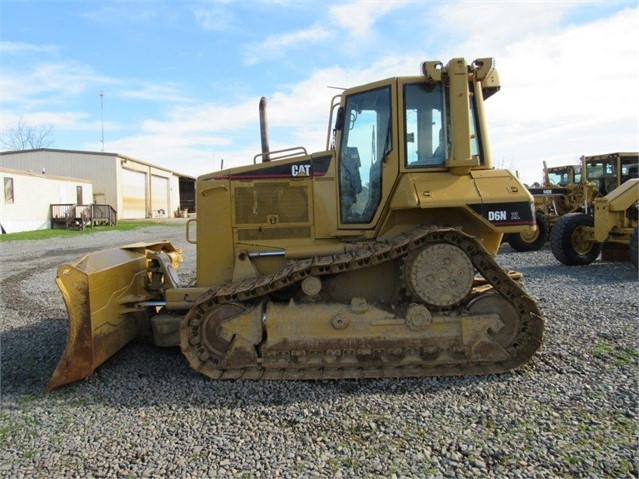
6 427
123 225
617 355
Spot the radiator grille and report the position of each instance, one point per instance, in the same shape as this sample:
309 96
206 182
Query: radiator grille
258 204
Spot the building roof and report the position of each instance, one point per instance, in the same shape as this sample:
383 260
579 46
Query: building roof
99 153
12 171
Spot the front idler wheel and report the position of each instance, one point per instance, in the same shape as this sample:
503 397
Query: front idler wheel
492 303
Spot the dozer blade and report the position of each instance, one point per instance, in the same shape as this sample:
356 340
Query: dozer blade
99 291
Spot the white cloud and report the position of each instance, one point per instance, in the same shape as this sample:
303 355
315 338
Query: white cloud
22 48
354 21
47 82
204 118
155 92
567 93
275 45
77 121
214 16
489 28
117 13
567 88
358 17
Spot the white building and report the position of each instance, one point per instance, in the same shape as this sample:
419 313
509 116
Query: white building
135 189
28 196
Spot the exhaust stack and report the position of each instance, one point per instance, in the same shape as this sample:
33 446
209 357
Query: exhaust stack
264 130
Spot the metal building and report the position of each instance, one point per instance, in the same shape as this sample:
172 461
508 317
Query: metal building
134 188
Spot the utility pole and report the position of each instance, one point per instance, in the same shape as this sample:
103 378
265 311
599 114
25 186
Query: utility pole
102 116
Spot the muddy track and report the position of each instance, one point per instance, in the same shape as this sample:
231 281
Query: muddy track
527 341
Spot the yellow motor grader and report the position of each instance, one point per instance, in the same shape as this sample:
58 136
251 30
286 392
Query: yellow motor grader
573 189
561 192
579 238
372 258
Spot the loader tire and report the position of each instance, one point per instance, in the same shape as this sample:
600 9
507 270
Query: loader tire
534 241
634 248
570 244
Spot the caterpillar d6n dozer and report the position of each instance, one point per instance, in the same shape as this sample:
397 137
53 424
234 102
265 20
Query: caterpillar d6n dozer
373 258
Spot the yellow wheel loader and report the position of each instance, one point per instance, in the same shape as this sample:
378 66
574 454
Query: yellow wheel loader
372 258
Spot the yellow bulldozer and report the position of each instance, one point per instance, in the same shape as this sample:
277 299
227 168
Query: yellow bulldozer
372 258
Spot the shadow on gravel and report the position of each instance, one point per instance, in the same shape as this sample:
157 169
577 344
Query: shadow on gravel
30 354
142 375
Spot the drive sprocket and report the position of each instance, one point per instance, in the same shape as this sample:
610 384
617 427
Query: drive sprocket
439 274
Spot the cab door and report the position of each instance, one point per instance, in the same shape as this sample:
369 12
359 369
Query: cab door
367 157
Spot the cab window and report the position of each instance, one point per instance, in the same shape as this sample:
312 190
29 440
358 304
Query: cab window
426 142
366 142
475 147
559 177
629 171
577 178
597 169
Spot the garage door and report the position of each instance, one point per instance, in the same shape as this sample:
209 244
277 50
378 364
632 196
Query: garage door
160 196
134 194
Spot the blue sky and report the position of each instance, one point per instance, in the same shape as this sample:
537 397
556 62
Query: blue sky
182 79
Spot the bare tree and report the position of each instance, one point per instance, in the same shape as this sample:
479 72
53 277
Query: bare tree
27 137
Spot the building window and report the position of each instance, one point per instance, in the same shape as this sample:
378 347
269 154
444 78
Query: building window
8 190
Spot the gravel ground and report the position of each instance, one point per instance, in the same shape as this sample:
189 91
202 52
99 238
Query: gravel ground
571 412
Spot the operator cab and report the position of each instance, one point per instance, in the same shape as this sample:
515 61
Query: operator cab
373 138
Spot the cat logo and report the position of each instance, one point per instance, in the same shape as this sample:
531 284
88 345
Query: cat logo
300 170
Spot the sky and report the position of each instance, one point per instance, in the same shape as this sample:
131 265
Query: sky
178 83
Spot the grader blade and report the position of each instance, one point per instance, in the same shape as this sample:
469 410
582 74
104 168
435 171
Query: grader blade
99 291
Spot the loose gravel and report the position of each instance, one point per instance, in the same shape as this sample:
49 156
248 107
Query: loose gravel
571 412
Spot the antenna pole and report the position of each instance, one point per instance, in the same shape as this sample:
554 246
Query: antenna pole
102 116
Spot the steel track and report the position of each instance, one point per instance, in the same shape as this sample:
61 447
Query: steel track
521 349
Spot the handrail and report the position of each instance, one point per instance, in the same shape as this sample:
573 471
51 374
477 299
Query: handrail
91 214
189 238
290 153
335 101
